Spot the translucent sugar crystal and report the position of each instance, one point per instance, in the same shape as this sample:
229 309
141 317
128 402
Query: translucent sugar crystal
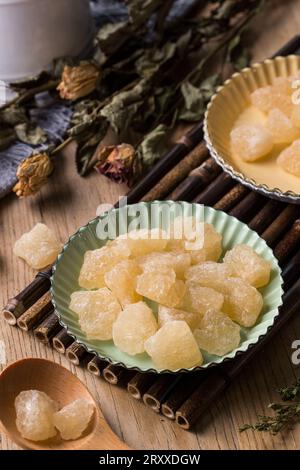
242 302
283 85
74 418
212 246
97 311
244 262
281 127
270 97
289 158
121 281
166 314
35 410
217 334
163 261
133 327
143 241
208 274
251 142
97 262
200 240
200 299
163 287
295 116
174 347
39 247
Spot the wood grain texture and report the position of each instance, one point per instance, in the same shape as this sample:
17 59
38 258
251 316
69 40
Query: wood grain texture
69 201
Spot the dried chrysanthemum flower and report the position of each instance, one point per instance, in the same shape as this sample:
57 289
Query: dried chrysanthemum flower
116 162
77 82
32 174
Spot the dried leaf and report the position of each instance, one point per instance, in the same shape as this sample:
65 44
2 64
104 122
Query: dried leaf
237 54
112 35
87 144
84 116
153 59
124 106
31 134
7 137
152 148
140 10
196 98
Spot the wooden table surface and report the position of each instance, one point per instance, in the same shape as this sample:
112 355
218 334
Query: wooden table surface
66 203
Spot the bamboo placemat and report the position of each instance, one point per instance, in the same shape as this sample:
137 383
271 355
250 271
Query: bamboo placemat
186 173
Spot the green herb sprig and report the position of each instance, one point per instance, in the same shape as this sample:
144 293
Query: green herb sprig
286 413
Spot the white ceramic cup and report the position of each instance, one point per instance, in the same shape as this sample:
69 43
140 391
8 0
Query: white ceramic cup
34 32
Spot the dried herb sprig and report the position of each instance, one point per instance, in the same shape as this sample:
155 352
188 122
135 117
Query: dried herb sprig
285 414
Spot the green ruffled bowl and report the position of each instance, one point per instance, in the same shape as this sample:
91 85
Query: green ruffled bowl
64 281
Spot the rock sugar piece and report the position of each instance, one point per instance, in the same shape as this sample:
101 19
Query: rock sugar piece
174 347
250 143
199 299
200 240
39 247
217 333
133 327
163 287
179 261
212 246
143 241
208 274
281 127
242 302
121 281
245 263
167 314
289 159
283 85
270 97
97 262
97 311
35 410
74 418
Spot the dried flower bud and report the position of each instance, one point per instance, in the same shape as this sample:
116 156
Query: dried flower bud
32 174
77 82
116 162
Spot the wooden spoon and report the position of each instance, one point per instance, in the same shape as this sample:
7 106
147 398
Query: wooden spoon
62 386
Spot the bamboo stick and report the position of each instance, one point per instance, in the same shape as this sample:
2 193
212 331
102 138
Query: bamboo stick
291 271
36 313
48 328
77 354
289 243
96 366
281 224
117 375
27 297
196 181
265 216
62 341
178 173
140 384
215 190
159 391
247 207
186 385
232 198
